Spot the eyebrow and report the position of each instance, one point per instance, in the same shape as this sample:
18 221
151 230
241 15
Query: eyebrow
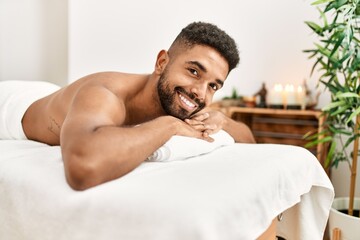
199 65
202 68
220 82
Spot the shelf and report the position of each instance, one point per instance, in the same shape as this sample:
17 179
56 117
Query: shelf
280 126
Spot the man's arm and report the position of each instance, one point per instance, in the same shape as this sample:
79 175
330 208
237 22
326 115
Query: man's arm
238 130
96 147
211 121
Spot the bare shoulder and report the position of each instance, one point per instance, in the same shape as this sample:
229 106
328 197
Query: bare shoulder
103 94
118 83
98 97
94 100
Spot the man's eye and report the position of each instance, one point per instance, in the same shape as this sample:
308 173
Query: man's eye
194 72
213 86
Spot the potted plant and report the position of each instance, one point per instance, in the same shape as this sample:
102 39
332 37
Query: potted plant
337 57
233 100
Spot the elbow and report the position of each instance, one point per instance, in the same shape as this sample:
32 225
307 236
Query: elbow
80 175
79 181
78 184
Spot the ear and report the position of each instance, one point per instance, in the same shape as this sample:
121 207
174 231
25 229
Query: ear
161 61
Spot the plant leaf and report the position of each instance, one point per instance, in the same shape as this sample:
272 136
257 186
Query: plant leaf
332 105
340 110
355 113
315 27
350 140
316 142
338 42
330 154
347 95
321 2
339 130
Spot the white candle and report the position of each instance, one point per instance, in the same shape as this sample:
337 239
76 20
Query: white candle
275 96
301 97
290 95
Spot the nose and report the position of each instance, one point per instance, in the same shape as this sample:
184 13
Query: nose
199 90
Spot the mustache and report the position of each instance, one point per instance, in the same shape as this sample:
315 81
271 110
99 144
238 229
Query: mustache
192 96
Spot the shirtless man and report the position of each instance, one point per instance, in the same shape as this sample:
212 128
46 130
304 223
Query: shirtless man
108 123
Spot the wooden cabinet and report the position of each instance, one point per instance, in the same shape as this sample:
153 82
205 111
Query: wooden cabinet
280 126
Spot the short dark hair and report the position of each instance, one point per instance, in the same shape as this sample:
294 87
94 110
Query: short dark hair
201 33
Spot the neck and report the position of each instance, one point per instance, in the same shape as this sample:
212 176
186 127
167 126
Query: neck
145 105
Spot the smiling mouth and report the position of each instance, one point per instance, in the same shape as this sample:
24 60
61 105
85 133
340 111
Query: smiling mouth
187 102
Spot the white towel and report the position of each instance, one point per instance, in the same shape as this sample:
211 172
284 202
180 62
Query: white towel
180 147
15 98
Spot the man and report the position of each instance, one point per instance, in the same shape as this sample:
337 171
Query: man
108 123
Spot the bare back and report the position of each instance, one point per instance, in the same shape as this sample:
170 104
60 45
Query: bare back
44 118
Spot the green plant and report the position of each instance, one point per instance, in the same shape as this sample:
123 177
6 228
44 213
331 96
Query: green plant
337 57
234 94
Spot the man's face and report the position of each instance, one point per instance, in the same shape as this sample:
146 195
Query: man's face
189 81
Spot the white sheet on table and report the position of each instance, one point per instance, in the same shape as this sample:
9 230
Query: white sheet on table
231 193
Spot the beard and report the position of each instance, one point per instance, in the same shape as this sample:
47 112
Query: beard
167 99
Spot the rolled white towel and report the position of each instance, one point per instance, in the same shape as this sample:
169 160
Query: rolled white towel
180 147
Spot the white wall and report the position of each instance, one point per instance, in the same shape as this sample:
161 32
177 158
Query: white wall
127 35
33 40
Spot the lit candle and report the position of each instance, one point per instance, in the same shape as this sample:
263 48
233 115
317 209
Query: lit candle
301 97
290 95
275 96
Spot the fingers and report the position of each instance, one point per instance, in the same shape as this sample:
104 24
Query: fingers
201 122
206 137
200 117
206 131
194 122
211 131
210 126
206 124
201 126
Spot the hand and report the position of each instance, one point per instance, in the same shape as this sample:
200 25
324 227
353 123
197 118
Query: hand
187 130
208 122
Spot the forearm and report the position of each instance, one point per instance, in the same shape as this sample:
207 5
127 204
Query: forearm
210 121
239 131
110 152
135 143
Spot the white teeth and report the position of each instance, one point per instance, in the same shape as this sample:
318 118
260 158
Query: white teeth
187 102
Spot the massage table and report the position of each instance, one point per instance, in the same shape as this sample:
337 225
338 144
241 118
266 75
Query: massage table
229 192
